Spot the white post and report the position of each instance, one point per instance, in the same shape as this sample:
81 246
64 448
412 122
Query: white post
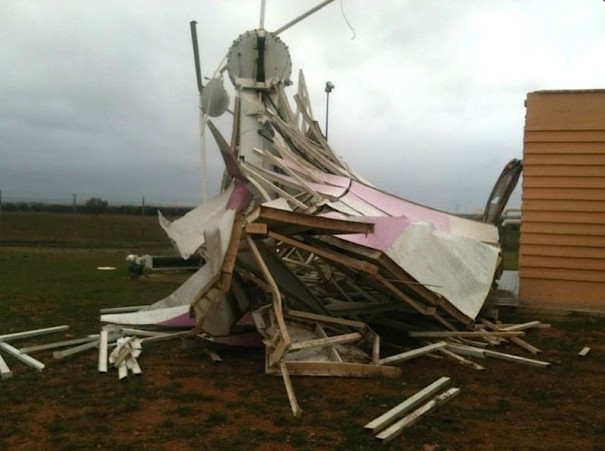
203 154
262 15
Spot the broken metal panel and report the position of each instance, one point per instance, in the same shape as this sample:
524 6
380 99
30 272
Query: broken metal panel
504 187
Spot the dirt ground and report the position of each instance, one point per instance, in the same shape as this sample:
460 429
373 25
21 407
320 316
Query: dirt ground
185 401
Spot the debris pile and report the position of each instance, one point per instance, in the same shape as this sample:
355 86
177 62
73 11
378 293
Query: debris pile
304 255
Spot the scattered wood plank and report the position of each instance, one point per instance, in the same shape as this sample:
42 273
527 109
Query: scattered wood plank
5 372
335 356
132 308
58 344
133 365
518 341
166 336
517 359
326 319
585 350
122 371
28 360
33 333
344 369
378 424
396 429
76 349
296 410
142 332
330 341
525 345
467 350
413 353
523 326
103 340
462 360
376 349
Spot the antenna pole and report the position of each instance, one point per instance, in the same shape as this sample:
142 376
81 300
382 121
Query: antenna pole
302 16
196 56
262 15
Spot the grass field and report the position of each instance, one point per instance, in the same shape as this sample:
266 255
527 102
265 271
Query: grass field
49 276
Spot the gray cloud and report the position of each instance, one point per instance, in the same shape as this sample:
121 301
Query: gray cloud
100 97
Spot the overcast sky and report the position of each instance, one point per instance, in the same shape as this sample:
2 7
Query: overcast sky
99 97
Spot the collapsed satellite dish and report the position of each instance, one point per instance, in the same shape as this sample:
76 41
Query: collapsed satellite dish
215 99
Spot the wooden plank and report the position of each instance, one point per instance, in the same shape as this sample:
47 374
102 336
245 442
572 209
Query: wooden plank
132 308
231 254
325 319
344 369
22 357
296 410
77 349
167 336
317 225
134 366
376 349
462 360
58 344
142 332
254 172
413 353
33 333
103 340
465 333
333 352
277 300
517 359
518 341
404 297
397 428
381 422
584 352
5 372
122 371
257 228
349 262
522 326
330 341
470 351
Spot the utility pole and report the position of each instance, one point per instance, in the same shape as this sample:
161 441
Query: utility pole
328 90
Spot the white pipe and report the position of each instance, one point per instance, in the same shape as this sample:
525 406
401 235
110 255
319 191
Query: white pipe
301 17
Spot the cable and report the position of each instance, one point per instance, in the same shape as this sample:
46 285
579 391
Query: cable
342 9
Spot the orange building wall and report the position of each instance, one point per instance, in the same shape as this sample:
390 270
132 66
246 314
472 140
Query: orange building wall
562 245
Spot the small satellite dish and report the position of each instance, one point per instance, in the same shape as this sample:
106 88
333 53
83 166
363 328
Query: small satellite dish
215 99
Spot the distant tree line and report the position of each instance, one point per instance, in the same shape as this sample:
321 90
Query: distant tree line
96 206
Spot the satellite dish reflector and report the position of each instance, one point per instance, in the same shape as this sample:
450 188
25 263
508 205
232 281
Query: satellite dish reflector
215 99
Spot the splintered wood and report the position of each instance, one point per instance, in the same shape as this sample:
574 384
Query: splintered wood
391 424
